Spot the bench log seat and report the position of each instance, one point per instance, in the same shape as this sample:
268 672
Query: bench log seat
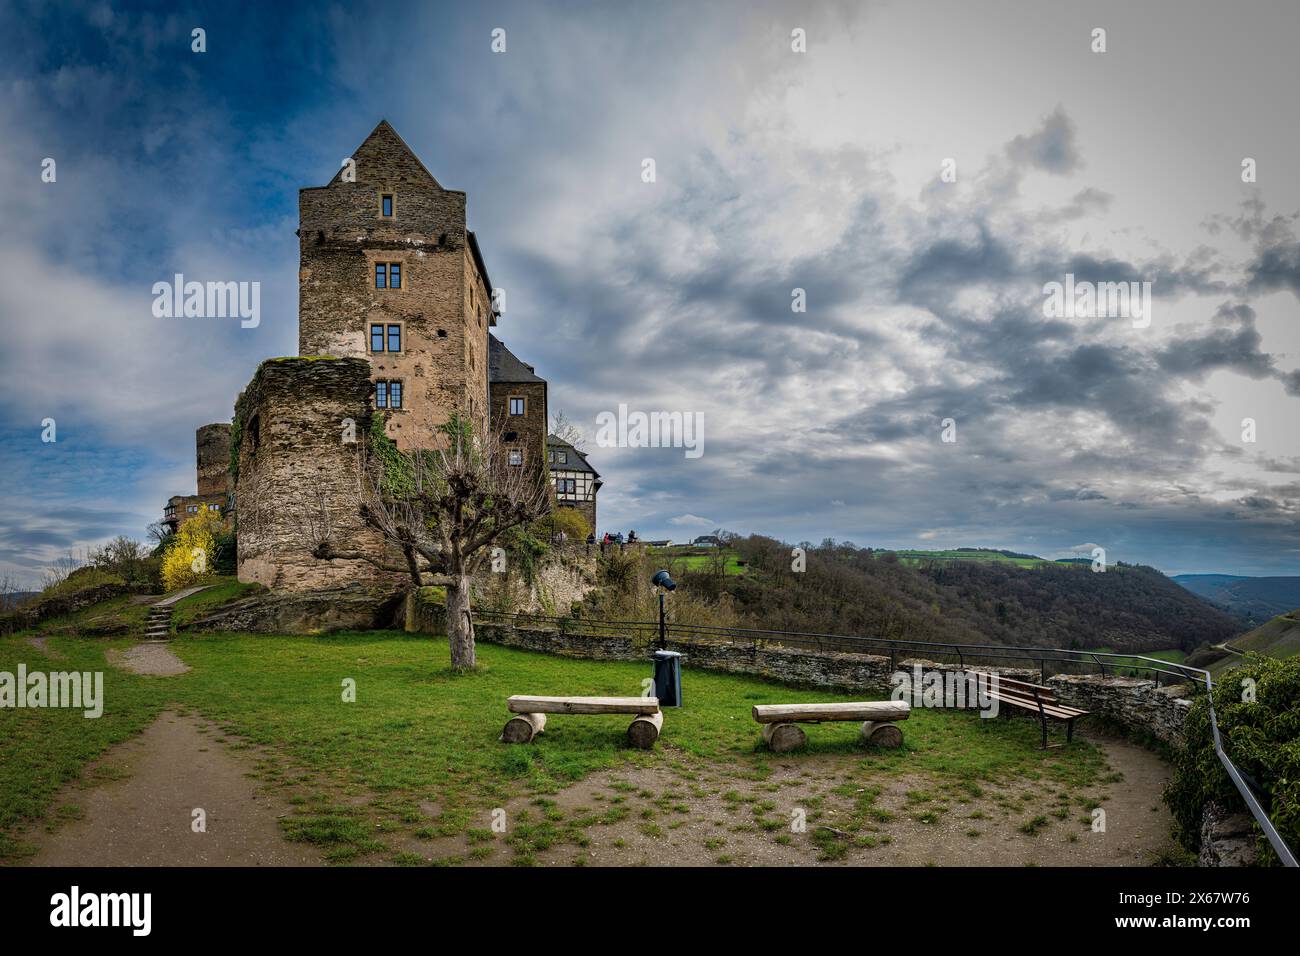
1034 698
782 733
530 716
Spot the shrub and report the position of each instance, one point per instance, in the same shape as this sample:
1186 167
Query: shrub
567 521
190 559
1262 738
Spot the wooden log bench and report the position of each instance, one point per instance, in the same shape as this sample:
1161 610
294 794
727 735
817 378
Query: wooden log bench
530 719
1034 698
782 733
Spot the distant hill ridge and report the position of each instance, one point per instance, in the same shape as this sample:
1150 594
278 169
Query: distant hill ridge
848 590
1250 600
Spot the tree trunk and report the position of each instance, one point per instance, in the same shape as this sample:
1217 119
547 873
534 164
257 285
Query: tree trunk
460 625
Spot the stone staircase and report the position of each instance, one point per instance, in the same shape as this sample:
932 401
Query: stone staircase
158 625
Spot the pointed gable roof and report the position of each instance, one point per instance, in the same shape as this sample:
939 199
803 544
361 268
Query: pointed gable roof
384 139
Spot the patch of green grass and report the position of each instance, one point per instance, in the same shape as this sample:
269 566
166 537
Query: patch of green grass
224 590
1035 826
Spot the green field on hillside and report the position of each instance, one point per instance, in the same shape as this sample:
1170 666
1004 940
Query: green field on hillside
684 557
1279 638
915 556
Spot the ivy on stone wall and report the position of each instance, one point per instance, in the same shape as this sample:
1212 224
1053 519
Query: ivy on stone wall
399 475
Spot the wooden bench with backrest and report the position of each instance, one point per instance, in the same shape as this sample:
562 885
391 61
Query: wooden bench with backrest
1035 698
782 733
530 719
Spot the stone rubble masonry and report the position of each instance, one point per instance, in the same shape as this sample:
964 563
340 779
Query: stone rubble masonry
444 304
1227 838
212 451
349 608
528 429
298 478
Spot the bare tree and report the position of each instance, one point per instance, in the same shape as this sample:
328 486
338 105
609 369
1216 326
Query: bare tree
564 428
59 571
443 508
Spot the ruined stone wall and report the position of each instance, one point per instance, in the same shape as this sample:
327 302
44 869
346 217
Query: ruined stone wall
212 452
342 235
297 477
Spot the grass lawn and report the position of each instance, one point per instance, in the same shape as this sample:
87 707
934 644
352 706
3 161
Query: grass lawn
416 755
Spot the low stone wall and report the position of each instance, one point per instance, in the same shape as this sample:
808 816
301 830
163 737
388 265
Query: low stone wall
36 611
1133 705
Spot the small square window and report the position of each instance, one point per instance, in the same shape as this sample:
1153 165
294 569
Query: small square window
562 457
381 275
516 456
394 338
516 406
386 205
376 338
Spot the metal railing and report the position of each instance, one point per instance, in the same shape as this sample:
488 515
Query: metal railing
898 650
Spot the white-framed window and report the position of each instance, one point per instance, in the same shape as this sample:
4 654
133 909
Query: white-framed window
516 456
561 457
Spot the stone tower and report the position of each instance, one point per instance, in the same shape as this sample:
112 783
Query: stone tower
212 452
389 273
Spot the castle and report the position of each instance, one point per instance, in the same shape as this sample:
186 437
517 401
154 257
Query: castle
395 315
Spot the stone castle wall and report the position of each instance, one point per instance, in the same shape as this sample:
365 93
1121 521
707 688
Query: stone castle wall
297 476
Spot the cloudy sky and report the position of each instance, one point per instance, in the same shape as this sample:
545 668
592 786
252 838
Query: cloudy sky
775 170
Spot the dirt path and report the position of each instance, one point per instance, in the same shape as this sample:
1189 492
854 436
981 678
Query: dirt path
145 816
152 660
700 814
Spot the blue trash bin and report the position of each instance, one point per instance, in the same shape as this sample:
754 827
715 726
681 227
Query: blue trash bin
668 678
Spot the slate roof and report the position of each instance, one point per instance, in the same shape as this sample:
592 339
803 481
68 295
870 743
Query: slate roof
577 460
504 366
